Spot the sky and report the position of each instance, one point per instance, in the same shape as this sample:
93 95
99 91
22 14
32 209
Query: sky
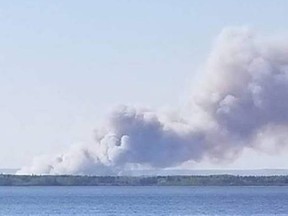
65 64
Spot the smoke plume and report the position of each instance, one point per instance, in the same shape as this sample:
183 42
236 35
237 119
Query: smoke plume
241 102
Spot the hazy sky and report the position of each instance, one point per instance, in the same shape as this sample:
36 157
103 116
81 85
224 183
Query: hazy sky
65 64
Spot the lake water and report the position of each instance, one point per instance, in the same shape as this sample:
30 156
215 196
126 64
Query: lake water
143 201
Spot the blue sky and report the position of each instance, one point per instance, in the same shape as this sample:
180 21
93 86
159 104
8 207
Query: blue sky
64 64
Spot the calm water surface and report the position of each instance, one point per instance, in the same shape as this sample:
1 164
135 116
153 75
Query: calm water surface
143 201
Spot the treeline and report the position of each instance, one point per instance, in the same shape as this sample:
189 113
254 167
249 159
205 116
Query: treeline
212 180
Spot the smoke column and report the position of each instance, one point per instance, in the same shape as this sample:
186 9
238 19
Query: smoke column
241 102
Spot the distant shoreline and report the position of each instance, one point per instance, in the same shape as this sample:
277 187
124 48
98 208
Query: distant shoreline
177 180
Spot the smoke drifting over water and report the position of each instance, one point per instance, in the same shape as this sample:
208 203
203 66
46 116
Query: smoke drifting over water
242 102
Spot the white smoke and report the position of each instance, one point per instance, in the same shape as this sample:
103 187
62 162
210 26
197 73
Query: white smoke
242 102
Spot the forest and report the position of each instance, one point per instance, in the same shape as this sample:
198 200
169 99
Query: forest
211 180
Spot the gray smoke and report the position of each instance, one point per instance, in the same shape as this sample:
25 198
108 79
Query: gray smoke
241 102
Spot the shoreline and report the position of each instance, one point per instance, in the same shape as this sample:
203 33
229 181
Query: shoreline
193 180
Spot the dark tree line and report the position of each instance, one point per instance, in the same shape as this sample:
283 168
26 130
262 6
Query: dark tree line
212 180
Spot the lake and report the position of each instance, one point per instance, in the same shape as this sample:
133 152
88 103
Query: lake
143 201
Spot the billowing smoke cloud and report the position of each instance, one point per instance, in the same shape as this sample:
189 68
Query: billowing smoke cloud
242 102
